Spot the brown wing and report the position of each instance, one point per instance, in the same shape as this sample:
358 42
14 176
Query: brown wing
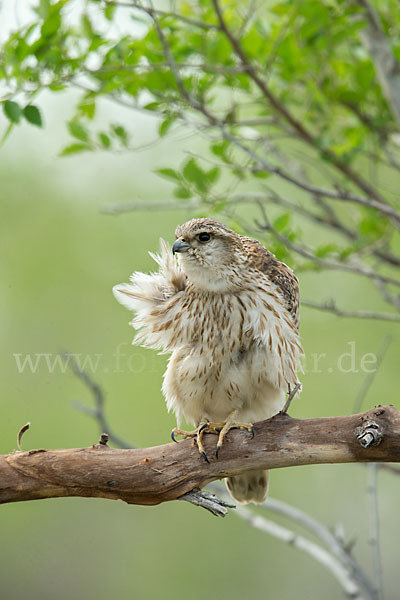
281 275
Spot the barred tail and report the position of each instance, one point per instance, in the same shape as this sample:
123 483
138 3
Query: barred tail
251 486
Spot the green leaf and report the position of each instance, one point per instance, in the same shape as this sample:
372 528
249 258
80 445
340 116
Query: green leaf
74 149
346 252
78 131
109 12
220 149
51 25
87 107
33 115
213 174
218 49
121 134
43 9
153 106
138 19
182 192
57 87
240 173
12 110
193 173
87 26
282 221
104 140
261 174
169 174
217 207
326 249
165 126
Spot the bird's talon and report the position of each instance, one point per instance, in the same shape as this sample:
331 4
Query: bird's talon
204 455
221 429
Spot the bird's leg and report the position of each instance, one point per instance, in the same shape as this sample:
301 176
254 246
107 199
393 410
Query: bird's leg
221 429
184 434
199 439
188 434
229 424
197 433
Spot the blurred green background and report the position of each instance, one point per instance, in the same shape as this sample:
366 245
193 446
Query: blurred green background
60 258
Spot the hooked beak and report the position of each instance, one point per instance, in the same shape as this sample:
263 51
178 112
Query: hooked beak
180 246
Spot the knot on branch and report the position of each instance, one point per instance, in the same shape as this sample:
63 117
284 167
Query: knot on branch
370 433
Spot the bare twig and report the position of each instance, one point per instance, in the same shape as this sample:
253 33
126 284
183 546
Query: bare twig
162 13
97 412
330 306
20 434
391 468
208 68
290 397
331 541
117 209
329 219
339 194
325 535
317 552
386 66
362 394
369 426
390 298
327 264
374 529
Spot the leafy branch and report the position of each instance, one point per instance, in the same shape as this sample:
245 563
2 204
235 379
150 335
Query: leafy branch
281 93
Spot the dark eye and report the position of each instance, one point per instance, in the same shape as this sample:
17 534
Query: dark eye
204 237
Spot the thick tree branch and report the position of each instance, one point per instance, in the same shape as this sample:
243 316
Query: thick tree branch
150 476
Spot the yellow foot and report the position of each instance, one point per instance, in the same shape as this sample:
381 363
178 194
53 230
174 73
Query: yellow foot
221 429
197 434
232 424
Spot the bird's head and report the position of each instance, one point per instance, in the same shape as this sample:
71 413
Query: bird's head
208 254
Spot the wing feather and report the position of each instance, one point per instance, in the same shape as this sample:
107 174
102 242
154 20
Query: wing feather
156 300
280 274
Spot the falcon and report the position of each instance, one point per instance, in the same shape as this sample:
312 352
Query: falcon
227 310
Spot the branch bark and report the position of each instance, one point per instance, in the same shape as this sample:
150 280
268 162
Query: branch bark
149 476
